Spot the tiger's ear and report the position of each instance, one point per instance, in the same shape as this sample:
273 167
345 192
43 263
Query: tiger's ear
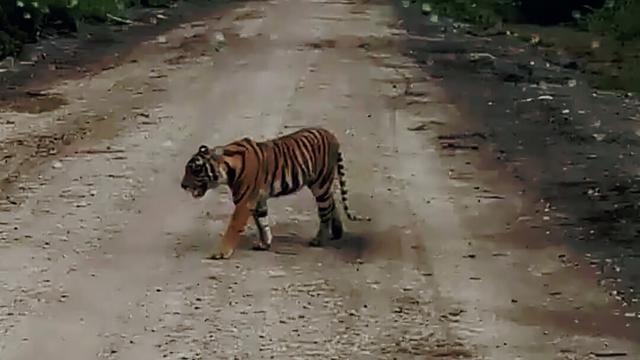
218 151
203 150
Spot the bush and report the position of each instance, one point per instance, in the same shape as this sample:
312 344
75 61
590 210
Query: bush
618 18
21 21
480 12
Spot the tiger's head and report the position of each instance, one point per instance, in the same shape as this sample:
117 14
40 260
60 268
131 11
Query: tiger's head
205 170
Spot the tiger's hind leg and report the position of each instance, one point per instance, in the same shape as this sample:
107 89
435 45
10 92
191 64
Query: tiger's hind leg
330 224
337 230
261 218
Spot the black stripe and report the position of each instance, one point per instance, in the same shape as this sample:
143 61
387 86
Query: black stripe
284 184
238 199
264 164
242 166
257 150
307 157
300 155
276 161
231 153
238 144
324 197
326 212
260 212
327 177
231 174
316 157
321 151
295 168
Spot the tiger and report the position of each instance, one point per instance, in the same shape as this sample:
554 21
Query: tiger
257 171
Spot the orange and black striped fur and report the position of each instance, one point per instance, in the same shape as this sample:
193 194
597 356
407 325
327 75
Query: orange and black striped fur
257 171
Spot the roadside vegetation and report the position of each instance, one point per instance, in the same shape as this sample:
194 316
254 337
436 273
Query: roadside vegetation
603 34
24 21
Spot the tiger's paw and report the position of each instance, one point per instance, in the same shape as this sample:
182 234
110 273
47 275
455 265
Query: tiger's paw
261 246
324 234
221 255
316 242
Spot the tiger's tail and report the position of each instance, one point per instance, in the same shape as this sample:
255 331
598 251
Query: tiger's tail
343 192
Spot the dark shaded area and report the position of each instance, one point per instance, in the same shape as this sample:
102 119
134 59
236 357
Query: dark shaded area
615 19
93 49
23 22
571 147
488 12
551 12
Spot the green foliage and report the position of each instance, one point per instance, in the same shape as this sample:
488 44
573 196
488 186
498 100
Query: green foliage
22 20
479 12
620 19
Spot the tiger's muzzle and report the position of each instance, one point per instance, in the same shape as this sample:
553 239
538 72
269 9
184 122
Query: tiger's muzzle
197 191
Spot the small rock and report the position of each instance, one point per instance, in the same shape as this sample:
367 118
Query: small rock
167 143
276 273
81 204
57 165
219 36
599 137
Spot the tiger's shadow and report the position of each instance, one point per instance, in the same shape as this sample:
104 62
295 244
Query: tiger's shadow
287 240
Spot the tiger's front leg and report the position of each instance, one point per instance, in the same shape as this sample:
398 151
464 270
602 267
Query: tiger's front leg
231 237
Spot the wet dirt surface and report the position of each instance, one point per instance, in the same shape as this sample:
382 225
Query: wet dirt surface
570 147
104 257
566 147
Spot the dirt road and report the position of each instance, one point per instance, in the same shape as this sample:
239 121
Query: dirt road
103 256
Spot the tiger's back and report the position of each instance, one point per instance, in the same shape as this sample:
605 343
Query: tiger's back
306 157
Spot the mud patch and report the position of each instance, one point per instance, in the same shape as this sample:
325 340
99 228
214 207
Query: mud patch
104 128
178 59
370 246
445 350
189 47
251 14
578 321
368 43
25 149
22 154
34 103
